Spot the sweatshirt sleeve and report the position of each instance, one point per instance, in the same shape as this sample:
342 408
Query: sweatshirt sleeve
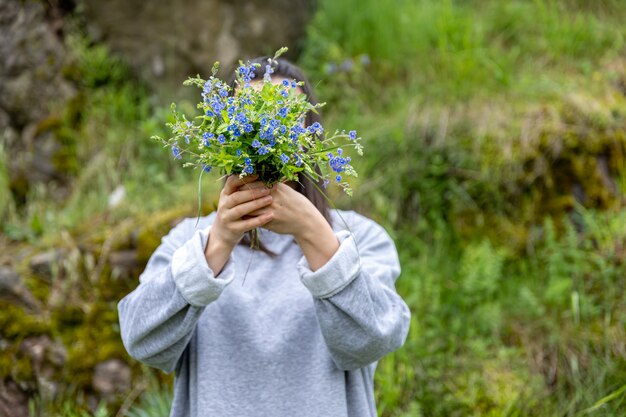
361 316
158 318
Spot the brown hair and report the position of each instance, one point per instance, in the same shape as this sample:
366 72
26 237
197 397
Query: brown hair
285 69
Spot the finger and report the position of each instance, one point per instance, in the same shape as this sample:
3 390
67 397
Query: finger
258 212
241 210
233 182
240 197
249 224
253 185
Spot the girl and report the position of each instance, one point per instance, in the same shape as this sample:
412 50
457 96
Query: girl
302 336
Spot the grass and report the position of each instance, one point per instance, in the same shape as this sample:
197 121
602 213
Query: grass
449 50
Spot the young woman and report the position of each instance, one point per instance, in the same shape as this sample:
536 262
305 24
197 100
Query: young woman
301 336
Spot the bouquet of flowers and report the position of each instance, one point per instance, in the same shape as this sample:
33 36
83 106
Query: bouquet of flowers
258 128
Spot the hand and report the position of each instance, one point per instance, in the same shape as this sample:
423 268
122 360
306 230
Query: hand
293 213
238 200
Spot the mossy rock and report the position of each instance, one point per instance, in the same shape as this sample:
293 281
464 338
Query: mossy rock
153 229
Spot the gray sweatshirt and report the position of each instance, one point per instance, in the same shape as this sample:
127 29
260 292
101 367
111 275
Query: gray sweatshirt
288 342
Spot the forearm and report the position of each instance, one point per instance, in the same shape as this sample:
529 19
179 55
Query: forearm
358 309
157 318
317 242
156 322
217 253
363 322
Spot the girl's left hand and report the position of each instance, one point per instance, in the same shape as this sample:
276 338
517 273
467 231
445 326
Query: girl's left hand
293 213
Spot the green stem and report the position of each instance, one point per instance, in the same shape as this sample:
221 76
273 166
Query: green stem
199 196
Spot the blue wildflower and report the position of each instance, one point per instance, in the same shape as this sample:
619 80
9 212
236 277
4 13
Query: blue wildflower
189 124
267 134
176 152
247 161
284 93
315 128
221 139
338 178
207 87
248 169
241 118
248 128
268 71
263 150
353 134
187 139
286 83
284 158
325 185
256 144
238 152
217 105
207 168
244 72
337 163
282 112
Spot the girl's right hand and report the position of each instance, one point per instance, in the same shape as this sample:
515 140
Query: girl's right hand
238 198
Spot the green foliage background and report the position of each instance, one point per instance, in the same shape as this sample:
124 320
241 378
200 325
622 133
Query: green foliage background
495 141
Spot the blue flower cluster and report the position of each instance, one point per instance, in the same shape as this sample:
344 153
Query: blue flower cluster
338 163
246 73
316 128
248 168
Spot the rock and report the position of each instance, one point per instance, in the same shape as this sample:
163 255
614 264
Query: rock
124 262
47 357
31 63
43 351
165 42
43 264
12 289
111 377
32 83
13 401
